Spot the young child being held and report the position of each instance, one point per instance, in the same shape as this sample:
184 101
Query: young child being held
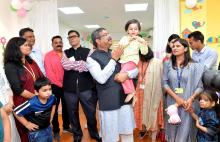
131 44
207 121
37 113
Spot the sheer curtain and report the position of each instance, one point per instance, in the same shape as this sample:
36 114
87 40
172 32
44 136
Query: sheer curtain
166 22
44 21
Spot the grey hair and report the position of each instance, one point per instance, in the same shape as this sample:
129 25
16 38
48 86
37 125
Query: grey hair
96 35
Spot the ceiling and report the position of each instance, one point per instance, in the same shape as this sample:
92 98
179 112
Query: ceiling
109 14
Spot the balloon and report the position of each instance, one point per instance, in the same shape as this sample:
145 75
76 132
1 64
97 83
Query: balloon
16 4
190 3
21 12
12 8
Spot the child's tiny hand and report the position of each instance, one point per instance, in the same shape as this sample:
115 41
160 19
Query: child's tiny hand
121 77
141 40
188 104
191 110
31 126
132 38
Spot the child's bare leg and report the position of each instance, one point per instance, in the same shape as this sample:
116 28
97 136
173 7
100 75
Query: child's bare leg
134 100
129 97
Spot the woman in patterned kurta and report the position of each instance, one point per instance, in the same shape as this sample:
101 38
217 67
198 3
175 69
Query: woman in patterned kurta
21 72
182 82
148 111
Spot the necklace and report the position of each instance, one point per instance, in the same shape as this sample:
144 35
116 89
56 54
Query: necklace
30 71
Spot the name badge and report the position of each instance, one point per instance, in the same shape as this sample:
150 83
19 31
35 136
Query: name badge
142 86
179 90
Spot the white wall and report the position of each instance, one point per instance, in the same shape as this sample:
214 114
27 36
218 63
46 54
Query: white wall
10 23
42 18
63 30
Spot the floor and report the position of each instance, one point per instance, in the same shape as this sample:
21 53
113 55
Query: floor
68 137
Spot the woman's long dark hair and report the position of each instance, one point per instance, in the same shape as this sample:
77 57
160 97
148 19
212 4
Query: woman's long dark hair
13 53
147 57
187 57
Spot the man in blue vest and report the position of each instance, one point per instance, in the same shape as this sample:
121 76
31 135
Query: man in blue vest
116 118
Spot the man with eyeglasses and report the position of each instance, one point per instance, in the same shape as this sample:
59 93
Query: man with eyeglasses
116 117
78 84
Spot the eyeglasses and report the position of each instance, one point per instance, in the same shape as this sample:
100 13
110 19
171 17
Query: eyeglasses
73 36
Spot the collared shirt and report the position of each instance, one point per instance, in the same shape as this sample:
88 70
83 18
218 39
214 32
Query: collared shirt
101 76
36 55
206 56
53 67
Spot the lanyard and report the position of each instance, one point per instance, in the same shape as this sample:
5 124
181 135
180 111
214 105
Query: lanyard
179 75
30 71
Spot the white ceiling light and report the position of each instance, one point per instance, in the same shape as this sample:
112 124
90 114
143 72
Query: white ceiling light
71 10
92 26
136 7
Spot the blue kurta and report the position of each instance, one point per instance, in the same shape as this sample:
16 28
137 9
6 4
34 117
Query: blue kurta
191 83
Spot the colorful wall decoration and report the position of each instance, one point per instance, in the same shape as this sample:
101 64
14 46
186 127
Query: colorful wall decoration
185 33
2 42
197 24
21 7
214 39
193 18
86 40
203 17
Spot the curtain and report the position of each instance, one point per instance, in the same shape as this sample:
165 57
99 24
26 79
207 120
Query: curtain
166 22
44 22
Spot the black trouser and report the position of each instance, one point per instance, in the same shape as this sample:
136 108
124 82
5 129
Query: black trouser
58 92
88 101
